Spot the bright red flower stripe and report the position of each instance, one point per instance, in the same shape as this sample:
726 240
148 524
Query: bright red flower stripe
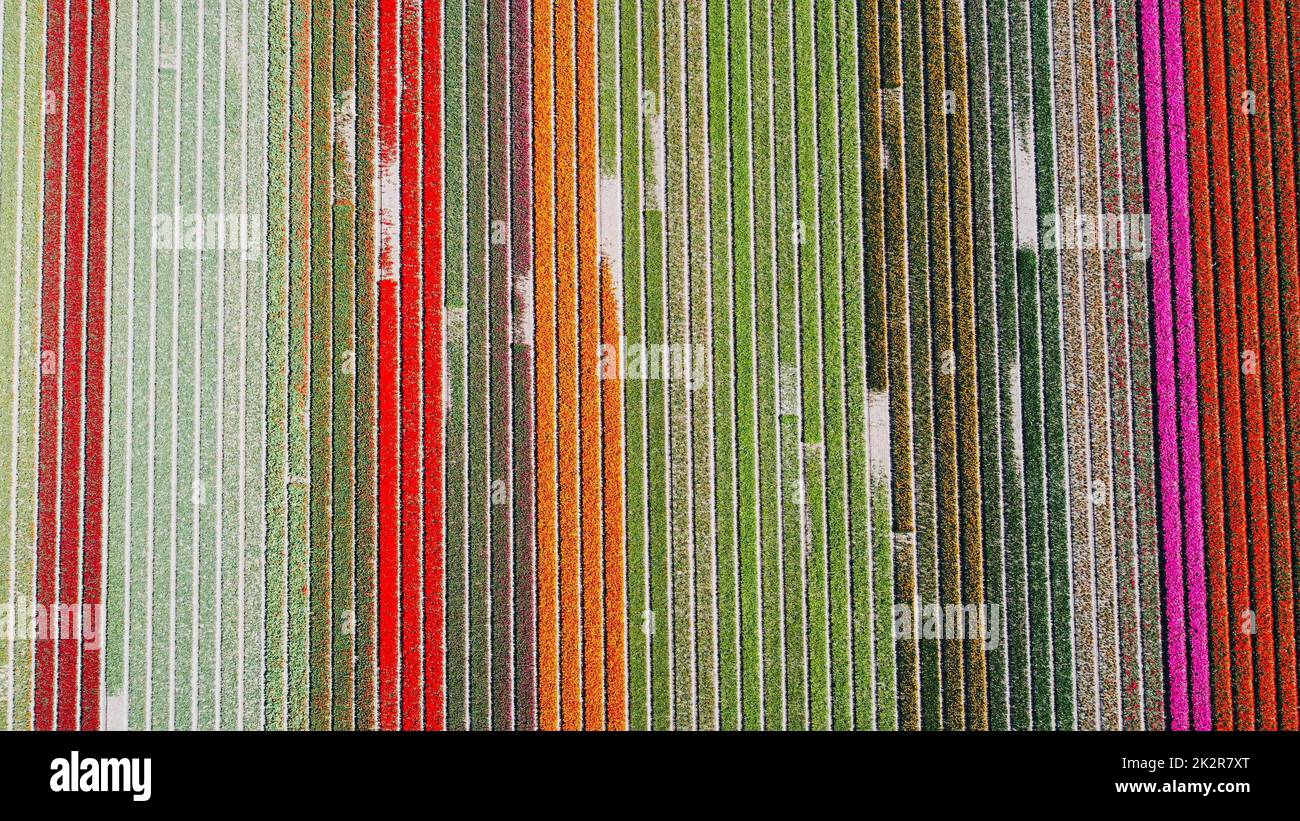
1240 62
410 454
71 395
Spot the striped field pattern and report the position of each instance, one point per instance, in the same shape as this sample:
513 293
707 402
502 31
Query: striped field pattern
649 364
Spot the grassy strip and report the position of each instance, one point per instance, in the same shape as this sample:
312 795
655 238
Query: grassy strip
1005 579
767 352
918 259
119 542
696 237
628 160
1139 334
321 366
966 352
1031 342
1069 193
736 39
254 412
940 104
478 228
198 371
233 313
724 376
1013 588
903 658
788 230
657 625
1053 413
366 173
749 504
834 359
807 236
866 360
521 366
28 256
193 484
456 457
500 433
162 389
1026 142
679 414
277 370
1101 488
209 471
987 216
343 358
300 388
631 164
16 124
610 210
10 223
139 207
1121 145
11 31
